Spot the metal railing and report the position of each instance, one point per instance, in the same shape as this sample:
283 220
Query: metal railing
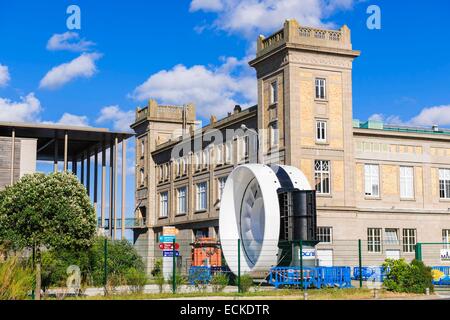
130 223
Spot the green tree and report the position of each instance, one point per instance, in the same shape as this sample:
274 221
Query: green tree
47 211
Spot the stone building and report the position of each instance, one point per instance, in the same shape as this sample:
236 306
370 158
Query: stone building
388 186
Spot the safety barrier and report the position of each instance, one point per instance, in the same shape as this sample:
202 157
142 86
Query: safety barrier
203 274
370 273
199 275
316 277
444 276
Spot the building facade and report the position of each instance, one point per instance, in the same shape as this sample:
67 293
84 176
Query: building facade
388 186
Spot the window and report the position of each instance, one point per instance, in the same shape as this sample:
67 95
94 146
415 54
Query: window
274 92
161 173
221 186
374 240
409 240
372 180
229 152
274 137
205 158
391 236
325 234
219 154
321 92
322 176
142 176
321 131
444 183
142 148
164 204
167 171
202 197
446 238
201 233
406 182
244 147
197 161
182 200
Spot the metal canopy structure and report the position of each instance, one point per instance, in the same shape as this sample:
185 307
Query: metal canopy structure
81 147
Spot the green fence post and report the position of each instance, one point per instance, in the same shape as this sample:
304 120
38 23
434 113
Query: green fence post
239 266
105 264
174 268
360 263
419 251
301 265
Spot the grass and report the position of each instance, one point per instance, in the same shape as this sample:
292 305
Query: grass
284 294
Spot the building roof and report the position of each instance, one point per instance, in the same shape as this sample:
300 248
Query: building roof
381 127
80 139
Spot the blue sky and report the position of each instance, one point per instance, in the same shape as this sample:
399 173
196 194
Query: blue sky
180 51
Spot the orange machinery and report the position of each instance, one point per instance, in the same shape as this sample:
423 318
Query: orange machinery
206 252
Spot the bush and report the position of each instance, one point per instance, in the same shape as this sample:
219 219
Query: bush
16 280
179 280
219 281
159 279
246 283
157 269
123 263
411 278
136 279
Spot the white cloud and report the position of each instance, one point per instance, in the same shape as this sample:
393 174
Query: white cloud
71 120
252 17
25 110
81 67
4 75
68 41
206 5
120 119
437 115
214 90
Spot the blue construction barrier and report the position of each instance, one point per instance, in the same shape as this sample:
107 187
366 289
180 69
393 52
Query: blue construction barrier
203 274
444 280
199 275
370 273
316 277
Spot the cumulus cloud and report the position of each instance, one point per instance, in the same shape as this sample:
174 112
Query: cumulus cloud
81 67
25 110
120 119
4 75
69 41
214 90
71 120
437 115
252 17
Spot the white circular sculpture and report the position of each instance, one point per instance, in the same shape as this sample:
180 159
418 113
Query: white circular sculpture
250 211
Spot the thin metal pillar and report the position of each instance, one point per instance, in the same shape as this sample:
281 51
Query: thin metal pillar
102 214
74 165
96 180
111 189
13 151
66 140
55 156
124 179
82 169
116 142
88 172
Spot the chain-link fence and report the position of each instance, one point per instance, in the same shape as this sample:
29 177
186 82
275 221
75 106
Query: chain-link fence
171 264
